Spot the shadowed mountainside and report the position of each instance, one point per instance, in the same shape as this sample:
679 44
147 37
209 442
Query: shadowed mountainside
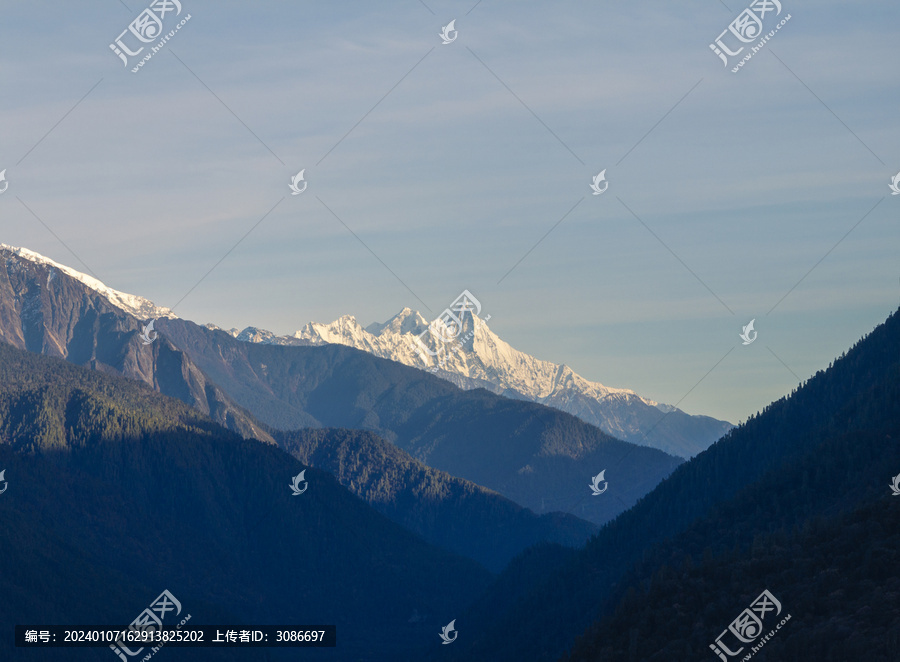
450 512
116 493
818 452
537 456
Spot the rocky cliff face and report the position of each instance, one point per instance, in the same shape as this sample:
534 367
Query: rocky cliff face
43 309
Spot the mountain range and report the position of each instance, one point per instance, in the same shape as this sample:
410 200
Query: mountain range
534 455
477 358
133 465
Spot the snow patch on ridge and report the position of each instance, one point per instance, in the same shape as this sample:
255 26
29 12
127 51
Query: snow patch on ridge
134 305
484 356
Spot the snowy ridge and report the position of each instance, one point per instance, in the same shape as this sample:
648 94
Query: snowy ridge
480 354
134 305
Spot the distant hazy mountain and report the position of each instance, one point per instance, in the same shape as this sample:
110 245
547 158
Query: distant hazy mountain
535 455
478 358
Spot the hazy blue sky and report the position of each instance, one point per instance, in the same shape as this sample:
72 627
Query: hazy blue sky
748 182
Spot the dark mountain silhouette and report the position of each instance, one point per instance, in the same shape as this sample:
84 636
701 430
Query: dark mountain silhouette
450 512
831 562
825 450
116 492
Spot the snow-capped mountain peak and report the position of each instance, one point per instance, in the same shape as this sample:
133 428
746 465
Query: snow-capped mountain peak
140 307
472 351
406 321
472 356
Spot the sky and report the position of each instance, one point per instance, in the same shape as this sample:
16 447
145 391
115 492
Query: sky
432 168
